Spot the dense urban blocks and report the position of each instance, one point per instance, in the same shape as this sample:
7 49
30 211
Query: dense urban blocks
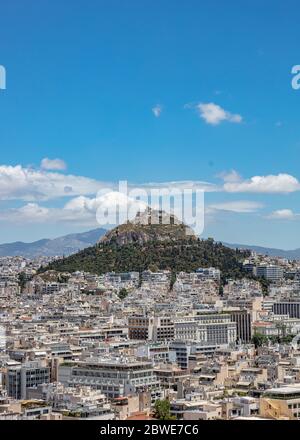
133 345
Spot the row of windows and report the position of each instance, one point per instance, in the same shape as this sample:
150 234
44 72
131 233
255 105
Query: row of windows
294 405
110 375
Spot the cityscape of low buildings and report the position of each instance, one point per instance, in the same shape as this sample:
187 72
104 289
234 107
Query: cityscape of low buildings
108 347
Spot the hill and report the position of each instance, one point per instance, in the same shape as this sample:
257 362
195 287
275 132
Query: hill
137 247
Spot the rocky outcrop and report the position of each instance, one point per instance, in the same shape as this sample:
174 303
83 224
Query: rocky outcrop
150 225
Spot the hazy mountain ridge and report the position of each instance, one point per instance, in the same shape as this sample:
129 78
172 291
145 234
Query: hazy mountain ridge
129 233
273 252
64 245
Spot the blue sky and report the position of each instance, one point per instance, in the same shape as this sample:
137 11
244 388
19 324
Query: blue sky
154 91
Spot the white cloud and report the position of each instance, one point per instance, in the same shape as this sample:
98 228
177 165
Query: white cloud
180 185
280 183
213 114
18 183
115 207
107 208
85 196
29 213
238 206
79 210
157 109
53 164
81 204
283 214
33 210
32 185
35 213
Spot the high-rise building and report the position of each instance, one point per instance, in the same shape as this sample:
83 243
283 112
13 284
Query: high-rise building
242 318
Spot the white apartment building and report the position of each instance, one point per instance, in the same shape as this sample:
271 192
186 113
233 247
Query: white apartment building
270 272
186 350
209 273
114 377
209 328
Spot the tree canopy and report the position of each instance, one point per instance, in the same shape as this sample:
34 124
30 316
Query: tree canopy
182 255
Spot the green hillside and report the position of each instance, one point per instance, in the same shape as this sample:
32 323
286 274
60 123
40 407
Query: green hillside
181 255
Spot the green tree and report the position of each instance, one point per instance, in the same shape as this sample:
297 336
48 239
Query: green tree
287 339
265 284
172 280
185 255
162 410
259 339
122 293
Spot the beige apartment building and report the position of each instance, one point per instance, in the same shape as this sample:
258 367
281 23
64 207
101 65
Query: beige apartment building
281 403
151 328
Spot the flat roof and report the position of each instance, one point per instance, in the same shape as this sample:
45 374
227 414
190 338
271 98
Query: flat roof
283 390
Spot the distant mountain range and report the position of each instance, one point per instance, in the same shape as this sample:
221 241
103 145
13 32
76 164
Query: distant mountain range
65 245
290 255
71 243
